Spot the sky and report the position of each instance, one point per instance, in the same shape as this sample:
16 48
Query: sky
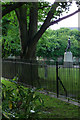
69 22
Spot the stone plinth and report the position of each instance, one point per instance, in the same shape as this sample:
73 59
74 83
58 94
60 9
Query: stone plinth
68 61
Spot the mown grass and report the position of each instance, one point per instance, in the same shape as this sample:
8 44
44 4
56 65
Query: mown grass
53 107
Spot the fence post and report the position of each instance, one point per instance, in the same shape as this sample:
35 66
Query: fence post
57 85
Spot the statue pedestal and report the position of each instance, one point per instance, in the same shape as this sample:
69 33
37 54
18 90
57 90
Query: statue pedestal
68 61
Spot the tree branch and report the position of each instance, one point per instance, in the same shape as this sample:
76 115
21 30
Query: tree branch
21 15
60 19
11 7
43 27
46 22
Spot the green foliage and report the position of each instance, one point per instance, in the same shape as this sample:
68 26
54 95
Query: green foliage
19 102
53 43
54 108
10 39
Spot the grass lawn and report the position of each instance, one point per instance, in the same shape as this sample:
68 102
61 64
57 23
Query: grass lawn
70 78
53 108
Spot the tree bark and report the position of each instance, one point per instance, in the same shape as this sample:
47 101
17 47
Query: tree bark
21 15
33 21
35 37
10 7
26 35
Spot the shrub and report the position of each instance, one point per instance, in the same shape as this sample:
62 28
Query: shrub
20 102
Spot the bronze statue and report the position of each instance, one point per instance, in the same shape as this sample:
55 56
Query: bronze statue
68 45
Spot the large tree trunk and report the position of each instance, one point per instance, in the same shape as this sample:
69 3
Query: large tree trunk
21 15
27 33
33 20
26 36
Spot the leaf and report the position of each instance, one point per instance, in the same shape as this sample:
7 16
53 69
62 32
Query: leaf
17 90
4 114
10 105
4 94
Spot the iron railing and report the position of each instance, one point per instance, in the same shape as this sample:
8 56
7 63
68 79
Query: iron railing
49 75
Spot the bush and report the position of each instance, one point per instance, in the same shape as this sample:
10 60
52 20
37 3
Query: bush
20 102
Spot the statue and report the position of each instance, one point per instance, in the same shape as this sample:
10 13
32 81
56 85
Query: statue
69 45
68 58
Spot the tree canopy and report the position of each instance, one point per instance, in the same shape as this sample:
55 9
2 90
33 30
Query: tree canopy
53 43
32 20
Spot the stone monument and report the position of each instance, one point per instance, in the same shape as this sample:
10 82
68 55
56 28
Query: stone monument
68 59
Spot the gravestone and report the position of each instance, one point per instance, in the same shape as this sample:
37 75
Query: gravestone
68 58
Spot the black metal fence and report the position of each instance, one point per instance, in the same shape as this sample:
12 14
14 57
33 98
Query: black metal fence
48 75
